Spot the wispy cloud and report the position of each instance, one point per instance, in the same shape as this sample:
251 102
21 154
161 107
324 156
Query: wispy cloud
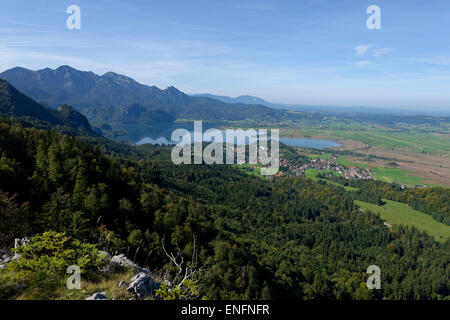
381 51
362 49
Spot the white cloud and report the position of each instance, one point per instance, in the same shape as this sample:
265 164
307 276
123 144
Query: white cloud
362 49
380 51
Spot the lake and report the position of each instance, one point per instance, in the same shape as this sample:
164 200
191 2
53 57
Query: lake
293 142
310 143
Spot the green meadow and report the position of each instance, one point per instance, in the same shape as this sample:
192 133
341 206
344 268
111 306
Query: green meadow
347 163
395 175
312 174
413 141
396 213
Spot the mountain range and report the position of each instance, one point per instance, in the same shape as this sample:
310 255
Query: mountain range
246 99
123 108
86 90
17 105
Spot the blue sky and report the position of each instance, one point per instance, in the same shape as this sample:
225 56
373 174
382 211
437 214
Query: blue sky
316 52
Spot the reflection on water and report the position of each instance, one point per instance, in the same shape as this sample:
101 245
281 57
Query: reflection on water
160 141
294 142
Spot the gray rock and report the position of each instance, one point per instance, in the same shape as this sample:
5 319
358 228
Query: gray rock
21 242
140 270
121 261
98 296
142 285
122 284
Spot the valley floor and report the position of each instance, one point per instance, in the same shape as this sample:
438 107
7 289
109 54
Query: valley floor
396 213
411 155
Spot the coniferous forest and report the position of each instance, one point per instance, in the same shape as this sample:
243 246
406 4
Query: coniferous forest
284 238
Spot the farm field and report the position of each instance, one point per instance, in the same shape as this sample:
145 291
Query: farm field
404 167
342 160
411 141
416 159
396 213
396 175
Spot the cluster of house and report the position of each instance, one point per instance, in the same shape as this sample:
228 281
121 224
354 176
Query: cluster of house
330 164
263 156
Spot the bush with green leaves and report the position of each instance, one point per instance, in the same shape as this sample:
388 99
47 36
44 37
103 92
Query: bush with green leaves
43 263
188 290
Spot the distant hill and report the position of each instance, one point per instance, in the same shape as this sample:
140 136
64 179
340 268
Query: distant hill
294 107
85 90
324 109
17 105
241 99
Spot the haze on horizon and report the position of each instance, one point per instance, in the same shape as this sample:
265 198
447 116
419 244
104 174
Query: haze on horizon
312 52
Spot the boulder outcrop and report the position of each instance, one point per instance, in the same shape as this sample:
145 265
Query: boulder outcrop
142 285
121 261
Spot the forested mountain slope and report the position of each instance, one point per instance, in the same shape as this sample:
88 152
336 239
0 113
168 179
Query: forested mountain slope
288 238
15 104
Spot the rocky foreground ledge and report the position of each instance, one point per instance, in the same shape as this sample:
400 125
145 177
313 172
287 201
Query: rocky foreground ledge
141 285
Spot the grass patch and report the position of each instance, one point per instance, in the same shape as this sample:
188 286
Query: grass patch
253 170
108 284
312 174
391 175
396 213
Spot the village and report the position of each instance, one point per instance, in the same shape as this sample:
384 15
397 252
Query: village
293 168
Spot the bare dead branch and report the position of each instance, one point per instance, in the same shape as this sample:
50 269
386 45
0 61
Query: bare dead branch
187 271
